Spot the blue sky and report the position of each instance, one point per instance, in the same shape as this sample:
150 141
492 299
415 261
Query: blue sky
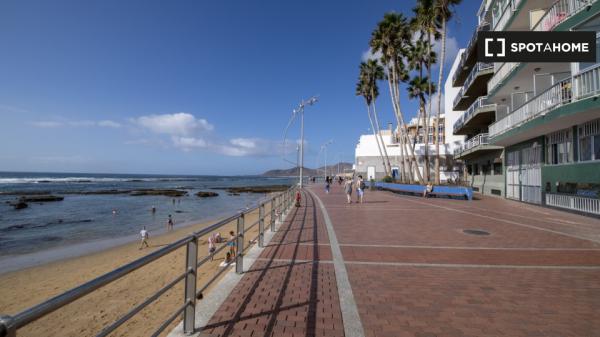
185 87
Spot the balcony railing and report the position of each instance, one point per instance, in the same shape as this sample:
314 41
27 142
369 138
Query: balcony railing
479 67
580 86
558 94
502 70
559 12
574 202
458 96
480 139
499 22
484 26
470 112
587 83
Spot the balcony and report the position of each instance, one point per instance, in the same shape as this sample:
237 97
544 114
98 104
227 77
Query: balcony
580 86
501 73
468 58
479 115
474 85
477 143
559 12
501 15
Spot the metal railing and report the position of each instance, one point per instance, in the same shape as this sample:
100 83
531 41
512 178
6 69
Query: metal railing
501 71
559 12
483 26
458 97
480 139
587 83
477 69
279 204
580 86
499 23
558 94
481 102
574 202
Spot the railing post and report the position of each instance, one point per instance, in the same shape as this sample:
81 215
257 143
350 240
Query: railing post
261 225
280 207
190 287
272 220
7 328
239 257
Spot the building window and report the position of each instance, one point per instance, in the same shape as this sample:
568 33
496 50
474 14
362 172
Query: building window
585 65
497 168
559 147
589 141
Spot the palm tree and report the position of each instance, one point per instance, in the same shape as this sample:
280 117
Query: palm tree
419 87
421 56
391 38
426 24
443 10
364 89
374 72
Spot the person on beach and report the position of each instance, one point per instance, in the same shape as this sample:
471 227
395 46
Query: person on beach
360 189
170 223
348 190
211 246
231 243
153 209
144 235
218 238
428 189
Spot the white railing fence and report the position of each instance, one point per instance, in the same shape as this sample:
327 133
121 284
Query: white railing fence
559 12
587 83
580 86
573 202
558 94
480 139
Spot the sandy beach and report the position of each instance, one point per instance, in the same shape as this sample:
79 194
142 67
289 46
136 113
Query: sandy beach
86 316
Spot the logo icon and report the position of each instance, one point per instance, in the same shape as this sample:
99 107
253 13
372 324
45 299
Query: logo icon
500 40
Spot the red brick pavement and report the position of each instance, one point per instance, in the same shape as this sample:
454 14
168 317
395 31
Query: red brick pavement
454 300
414 272
280 298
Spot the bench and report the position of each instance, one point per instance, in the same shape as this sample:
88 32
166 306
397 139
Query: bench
438 191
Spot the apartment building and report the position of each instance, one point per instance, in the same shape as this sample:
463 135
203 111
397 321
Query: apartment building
538 122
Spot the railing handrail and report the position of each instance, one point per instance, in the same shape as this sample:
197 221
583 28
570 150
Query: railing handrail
572 10
9 325
470 112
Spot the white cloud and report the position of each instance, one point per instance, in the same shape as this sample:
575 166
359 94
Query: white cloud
76 124
369 55
47 124
188 143
177 124
109 124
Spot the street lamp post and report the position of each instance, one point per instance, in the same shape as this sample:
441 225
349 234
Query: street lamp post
300 110
324 147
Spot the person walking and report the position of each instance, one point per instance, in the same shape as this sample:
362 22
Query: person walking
144 235
327 185
360 189
348 190
170 223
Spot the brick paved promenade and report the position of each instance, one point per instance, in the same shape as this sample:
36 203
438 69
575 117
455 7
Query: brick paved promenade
404 267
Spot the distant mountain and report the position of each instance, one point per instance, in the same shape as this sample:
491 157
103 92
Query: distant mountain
294 171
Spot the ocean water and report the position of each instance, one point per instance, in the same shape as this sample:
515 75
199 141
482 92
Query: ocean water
88 219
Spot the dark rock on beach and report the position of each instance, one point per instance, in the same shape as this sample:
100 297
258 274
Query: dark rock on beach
42 198
168 193
205 194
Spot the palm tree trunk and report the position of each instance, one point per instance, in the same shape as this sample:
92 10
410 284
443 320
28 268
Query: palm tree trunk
429 112
439 103
391 79
376 138
385 154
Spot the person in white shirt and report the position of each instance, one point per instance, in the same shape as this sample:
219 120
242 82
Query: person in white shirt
144 234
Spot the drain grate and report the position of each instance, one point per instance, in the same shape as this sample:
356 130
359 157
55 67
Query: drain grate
475 232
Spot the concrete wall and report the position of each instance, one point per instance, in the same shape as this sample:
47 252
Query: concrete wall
484 183
452 116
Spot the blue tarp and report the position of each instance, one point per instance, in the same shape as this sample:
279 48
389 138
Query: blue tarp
466 191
